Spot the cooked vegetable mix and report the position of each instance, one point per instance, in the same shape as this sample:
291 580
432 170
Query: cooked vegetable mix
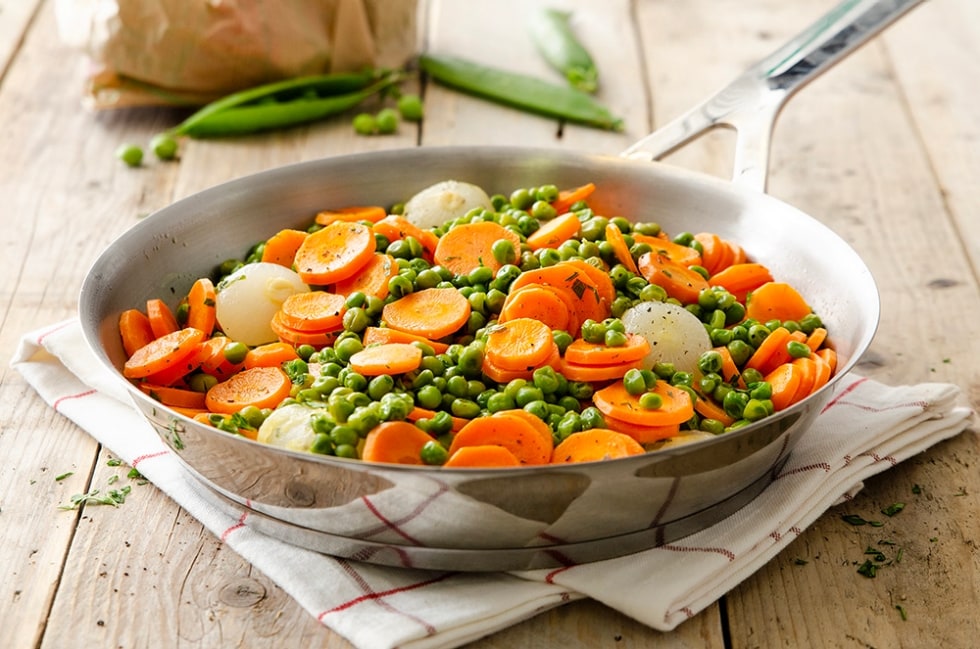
514 330
552 33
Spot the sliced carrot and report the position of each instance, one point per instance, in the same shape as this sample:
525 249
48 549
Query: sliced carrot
729 370
816 338
313 311
642 434
432 312
587 303
419 412
262 387
163 353
380 335
808 377
740 279
614 401
215 362
338 251
621 251
388 358
770 351
201 301
738 253
162 320
823 372
681 255
175 373
711 410
785 381
174 397
830 357
482 456
597 373
135 330
599 279
595 444
537 302
270 355
395 442
776 301
190 412
714 251
568 197
395 227
513 433
501 375
678 281
372 279
555 232
297 337
534 421
519 344
470 245
583 352
281 247
372 213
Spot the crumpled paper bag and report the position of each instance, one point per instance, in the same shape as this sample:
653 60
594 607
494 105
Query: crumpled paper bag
190 52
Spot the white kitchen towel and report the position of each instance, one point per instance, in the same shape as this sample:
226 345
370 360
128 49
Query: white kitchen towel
866 428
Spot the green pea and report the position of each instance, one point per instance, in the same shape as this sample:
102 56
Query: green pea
620 306
651 401
741 351
433 453
810 322
593 332
465 408
797 349
503 251
347 347
710 362
542 210
755 410
130 154
356 320
410 107
546 380
538 408
429 396
399 286
757 334
634 382
528 393
592 418
720 337
235 352
474 388
364 124
734 403
387 120
521 198
201 382
164 146
380 386
499 401
615 338
712 426
562 339
548 257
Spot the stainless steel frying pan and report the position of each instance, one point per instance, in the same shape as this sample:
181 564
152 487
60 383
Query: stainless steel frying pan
506 519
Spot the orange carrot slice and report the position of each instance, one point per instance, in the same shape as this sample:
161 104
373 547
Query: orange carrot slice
614 401
201 311
678 281
395 442
770 351
595 444
419 412
596 373
568 197
336 252
785 382
162 320
135 330
776 301
313 311
174 397
583 352
166 352
372 213
681 255
394 227
614 237
555 232
537 302
432 312
740 279
519 344
389 358
642 434
270 355
297 337
710 410
513 433
470 245
281 247
816 338
380 335
262 387
599 279
482 456
372 279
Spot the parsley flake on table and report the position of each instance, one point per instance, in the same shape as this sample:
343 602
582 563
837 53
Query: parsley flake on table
114 497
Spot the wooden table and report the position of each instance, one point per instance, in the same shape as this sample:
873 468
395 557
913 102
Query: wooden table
884 149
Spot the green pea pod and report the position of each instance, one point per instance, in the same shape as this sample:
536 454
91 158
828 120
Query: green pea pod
319 86
552 34
519 91
263 116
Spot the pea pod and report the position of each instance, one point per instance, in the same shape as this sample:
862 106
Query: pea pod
519 91
552 34
293 92
253 117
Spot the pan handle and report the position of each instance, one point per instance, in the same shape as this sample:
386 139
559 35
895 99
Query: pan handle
752 101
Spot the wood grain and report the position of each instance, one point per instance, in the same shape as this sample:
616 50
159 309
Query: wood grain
882 149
